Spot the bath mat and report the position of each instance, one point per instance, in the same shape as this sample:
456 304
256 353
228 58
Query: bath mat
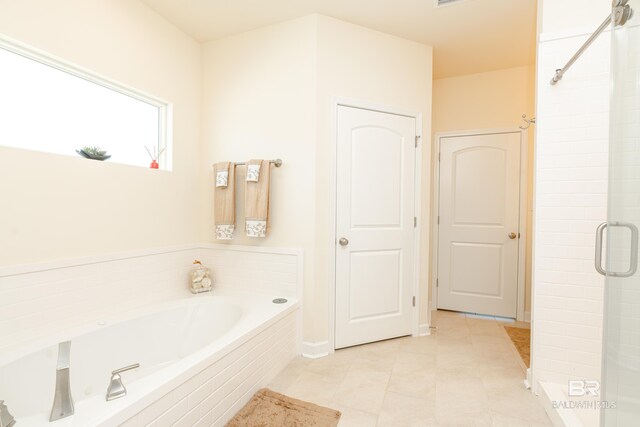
521 339
270 409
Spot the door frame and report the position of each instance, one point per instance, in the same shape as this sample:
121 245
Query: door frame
337 102
522 220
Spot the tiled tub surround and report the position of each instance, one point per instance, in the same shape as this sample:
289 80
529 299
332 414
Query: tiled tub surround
207 385
42 299
219 348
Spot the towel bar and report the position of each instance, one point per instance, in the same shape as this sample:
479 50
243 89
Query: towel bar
276 162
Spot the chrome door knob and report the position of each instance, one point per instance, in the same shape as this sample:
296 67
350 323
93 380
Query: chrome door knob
512 235
343 241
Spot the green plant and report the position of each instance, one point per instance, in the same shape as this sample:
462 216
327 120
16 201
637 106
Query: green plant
94 151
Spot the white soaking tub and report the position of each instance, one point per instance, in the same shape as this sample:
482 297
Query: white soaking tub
200 360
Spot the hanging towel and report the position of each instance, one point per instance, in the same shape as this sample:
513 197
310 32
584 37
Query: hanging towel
257 198
224 200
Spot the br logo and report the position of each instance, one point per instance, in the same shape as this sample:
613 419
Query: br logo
580 388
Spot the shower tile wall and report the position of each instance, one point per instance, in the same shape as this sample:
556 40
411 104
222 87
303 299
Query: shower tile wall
571 199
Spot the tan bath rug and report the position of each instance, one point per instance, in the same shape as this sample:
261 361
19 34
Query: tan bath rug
521 339
270 409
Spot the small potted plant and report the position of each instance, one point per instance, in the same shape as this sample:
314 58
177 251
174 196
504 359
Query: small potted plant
95 153
155 155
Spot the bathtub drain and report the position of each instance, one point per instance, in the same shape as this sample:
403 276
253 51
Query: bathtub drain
279 301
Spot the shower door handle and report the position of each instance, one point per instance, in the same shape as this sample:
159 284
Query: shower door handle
633 253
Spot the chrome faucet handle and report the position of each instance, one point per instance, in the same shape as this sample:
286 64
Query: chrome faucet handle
116 389
6 419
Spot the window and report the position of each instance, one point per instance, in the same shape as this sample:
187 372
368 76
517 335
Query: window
47 105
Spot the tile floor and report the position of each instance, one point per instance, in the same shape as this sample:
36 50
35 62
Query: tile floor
465 374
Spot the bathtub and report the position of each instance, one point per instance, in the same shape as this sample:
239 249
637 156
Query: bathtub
201 358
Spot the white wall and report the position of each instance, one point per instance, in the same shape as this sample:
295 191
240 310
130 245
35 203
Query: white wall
563 15
489 100
57 206
571 200
268 94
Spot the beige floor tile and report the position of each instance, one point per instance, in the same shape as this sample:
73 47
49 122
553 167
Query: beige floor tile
368 372
460 398
464 374
422 345
483 327
315 388
363 397
355 418
517 403
289 374
414 361
419 384
400 410
335 364
504 421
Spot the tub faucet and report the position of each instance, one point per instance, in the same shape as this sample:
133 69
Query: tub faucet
62 400
116 389
6 420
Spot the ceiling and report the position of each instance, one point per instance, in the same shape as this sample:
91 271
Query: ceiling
468 36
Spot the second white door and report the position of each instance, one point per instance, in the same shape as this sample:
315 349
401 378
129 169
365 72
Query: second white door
478 223
374 225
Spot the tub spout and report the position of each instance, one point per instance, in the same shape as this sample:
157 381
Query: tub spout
62 400
6 420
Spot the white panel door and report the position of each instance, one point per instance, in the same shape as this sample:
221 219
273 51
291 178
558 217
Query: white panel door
374 225
478 230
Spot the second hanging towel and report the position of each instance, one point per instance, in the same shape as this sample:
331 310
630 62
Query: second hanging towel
257 198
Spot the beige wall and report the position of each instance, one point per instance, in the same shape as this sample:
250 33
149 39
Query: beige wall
262 94
268 92
259 102
489 100
57 206
366 65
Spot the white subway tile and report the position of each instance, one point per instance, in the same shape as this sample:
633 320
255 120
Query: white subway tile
571 187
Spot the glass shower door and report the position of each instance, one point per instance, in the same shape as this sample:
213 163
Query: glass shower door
621 351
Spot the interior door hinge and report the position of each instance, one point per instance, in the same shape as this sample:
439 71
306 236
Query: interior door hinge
417 139
414 301
438 219
438 156
437 284
415 221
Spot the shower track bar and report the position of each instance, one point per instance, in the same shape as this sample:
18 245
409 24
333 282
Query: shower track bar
622 12
276 162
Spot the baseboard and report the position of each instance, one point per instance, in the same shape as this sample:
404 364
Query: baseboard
424 330
527 380
315 350
527 316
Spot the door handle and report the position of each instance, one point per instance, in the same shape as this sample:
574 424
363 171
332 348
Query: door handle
512 235
633 255
343 241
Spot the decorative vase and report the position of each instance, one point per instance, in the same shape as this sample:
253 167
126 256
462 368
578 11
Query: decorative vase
154 165
200 279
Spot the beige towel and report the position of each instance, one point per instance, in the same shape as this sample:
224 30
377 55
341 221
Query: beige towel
224 200
257 198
